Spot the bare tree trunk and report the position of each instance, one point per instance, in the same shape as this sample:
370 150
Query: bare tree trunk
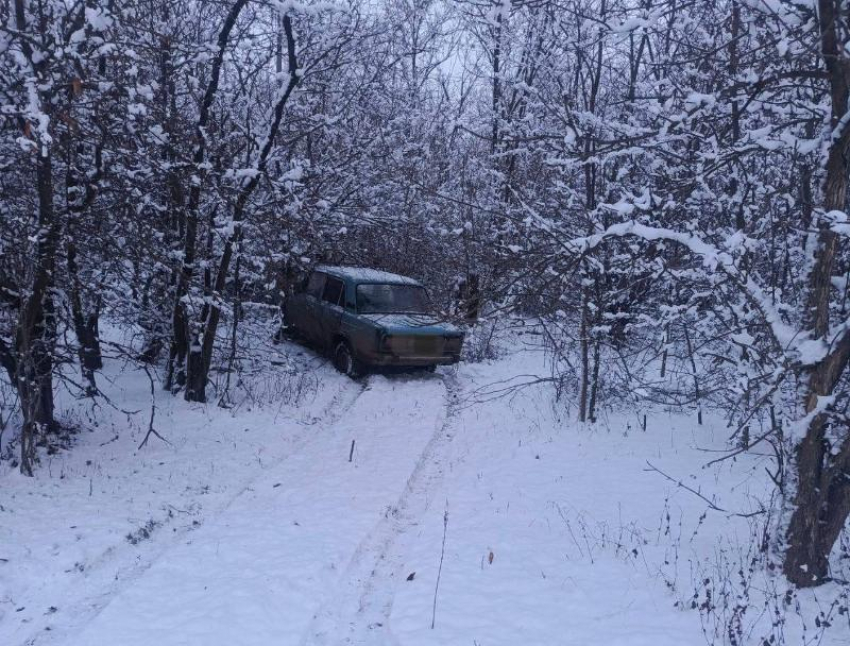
594 383
234 330
736 114
181 325
585 369
81 190
85 323
697 394
822 501
470 298
200 355
497 80
154 342
35 335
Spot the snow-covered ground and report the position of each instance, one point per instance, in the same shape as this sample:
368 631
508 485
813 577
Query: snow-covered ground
459 517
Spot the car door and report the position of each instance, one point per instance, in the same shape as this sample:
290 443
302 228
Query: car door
294 305
310 312
331 309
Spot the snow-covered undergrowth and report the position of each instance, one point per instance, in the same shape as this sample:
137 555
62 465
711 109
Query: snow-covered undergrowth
406 509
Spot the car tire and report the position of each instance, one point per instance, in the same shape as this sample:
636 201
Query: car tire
291 332
346 362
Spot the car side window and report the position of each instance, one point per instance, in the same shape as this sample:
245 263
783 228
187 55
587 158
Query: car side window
315 284
334 289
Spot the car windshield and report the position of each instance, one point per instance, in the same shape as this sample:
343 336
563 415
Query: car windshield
391 299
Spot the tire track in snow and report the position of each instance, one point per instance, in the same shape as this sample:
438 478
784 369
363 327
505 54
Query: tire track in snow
108 583
359 612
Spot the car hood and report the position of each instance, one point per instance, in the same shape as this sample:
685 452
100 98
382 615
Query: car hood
412 324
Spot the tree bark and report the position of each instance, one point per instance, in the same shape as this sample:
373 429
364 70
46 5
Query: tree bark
822 500
594 383
497 80
86 324
36 329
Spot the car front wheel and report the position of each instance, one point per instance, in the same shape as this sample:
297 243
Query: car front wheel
346 362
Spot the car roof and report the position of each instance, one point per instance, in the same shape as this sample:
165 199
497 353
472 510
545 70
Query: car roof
367 275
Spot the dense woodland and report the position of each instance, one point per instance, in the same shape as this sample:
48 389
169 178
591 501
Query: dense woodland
662 183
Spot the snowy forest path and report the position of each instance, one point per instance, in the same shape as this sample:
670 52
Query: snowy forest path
358 611
258 572
113 571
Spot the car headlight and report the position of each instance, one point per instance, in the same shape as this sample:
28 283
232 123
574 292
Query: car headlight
453 343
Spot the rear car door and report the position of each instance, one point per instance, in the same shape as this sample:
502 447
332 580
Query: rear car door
311 312
333 301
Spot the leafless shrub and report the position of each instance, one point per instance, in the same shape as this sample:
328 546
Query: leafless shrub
743 600
480 343
8 414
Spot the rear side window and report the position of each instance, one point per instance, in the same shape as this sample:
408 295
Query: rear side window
315 284
333 291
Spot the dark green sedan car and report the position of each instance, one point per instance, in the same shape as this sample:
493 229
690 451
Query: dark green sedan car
367 318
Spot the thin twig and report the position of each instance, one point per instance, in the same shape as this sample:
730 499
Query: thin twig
710 503
440 569
151 429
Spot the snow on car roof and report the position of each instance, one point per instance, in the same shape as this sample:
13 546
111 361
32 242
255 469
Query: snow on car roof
367 275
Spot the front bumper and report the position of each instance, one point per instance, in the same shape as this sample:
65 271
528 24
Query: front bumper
411 350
